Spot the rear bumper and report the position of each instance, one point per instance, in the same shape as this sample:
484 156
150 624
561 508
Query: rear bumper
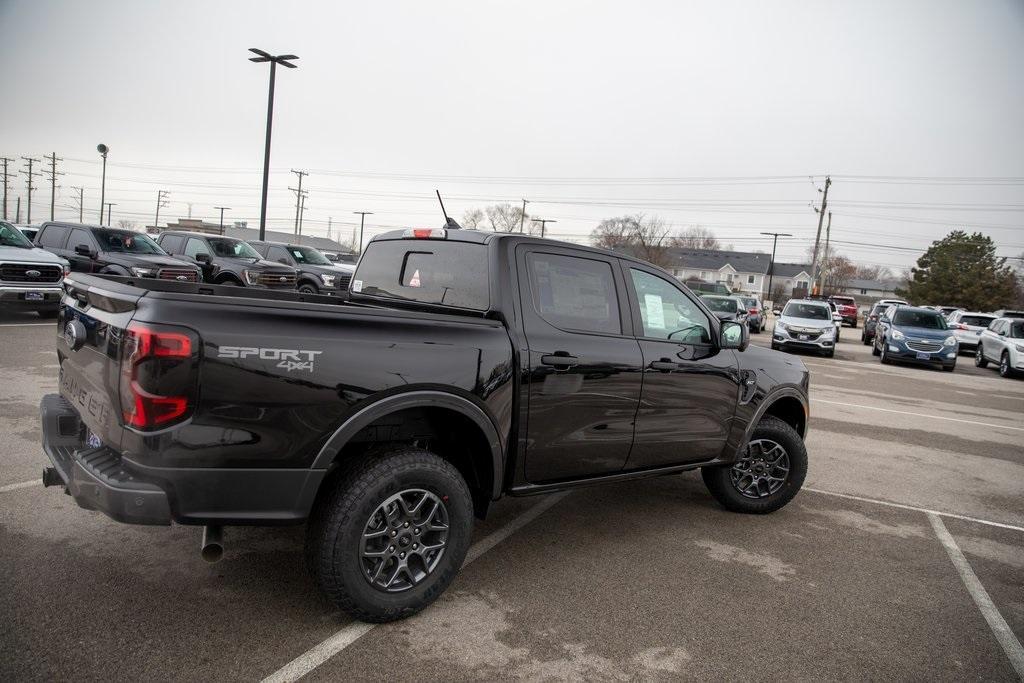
102 479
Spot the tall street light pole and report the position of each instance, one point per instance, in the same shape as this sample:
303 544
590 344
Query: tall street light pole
109 205
771 266
362 218
103 149
543 223
274 61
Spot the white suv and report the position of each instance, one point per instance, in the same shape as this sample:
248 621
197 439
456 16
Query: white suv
30 278
967 327
1003 343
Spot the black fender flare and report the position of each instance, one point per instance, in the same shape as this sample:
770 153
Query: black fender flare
114 269
417 399
768 402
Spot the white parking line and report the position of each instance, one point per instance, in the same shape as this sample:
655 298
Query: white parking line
26 324
933 417
21 485
323 651
1000 629
901 506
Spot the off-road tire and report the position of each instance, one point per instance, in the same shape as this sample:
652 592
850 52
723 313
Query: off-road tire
340 517
719 482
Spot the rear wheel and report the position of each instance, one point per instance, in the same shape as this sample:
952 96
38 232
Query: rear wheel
391 534
768 474
979 358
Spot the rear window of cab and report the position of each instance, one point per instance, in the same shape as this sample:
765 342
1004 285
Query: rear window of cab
425 271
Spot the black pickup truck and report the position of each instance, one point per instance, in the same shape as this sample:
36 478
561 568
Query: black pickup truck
462 366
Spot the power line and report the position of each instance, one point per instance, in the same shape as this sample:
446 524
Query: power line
161 201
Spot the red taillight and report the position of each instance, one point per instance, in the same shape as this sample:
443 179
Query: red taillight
753 311
142 408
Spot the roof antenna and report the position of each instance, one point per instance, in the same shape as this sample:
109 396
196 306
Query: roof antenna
448 222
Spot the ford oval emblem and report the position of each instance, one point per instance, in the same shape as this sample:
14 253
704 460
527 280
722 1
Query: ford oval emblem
74 334
182 277
283 278
33 273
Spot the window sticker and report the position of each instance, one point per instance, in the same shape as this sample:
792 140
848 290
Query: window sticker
655 311
357 286
414 281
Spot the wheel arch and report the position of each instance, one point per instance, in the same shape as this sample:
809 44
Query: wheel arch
788 405
307 280
477 451
224 277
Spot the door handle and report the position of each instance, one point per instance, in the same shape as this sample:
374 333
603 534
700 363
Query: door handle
560 359
665 365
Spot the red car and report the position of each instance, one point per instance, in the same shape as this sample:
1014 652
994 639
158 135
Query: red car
847 307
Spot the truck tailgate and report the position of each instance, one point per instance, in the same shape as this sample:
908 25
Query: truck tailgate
90 332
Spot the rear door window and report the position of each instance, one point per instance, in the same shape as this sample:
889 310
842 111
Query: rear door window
53 236
425 271
976 320
171 243
81 237
574 293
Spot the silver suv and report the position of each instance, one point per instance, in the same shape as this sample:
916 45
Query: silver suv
967 327
30 278
1003 343
806 324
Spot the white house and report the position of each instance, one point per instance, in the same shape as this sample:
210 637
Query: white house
741 271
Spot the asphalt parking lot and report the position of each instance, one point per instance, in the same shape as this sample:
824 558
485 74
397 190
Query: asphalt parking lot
642 580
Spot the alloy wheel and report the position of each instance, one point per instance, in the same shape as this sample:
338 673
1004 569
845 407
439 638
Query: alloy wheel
762 471
404 540
1004 365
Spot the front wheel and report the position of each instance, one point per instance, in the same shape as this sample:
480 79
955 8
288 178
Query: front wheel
391 534
768 474
1004 365
307 288
979 358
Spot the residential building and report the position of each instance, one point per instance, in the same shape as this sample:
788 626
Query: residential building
878 289
745 272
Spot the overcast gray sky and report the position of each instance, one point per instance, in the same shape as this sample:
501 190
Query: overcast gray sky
587 109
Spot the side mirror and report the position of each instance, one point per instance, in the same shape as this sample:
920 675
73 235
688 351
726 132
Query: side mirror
203 257
734 335
83 250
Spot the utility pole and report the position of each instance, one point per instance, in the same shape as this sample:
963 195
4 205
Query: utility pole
53 158
522 217
362 219
302 214
771 266
222 209
298 197
817 238
18 217
6 178
109 206
161 201
29 174
263 56
825 255
81 201
543 223
328 227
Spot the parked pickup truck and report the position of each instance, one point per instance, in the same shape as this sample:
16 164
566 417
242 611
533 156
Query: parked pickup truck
461 367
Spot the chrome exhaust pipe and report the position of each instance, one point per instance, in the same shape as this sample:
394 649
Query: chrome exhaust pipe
212 548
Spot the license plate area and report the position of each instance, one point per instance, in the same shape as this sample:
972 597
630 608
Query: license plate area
34 296
803 337
923 356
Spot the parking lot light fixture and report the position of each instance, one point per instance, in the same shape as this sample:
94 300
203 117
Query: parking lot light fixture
362 219
103 149
283 60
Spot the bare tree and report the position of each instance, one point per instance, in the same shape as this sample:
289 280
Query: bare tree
696 237
506 217
836 273
863 272
126 224
472 219
645 237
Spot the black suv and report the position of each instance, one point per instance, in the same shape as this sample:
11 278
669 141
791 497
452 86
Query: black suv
227 261
112 251
316 273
